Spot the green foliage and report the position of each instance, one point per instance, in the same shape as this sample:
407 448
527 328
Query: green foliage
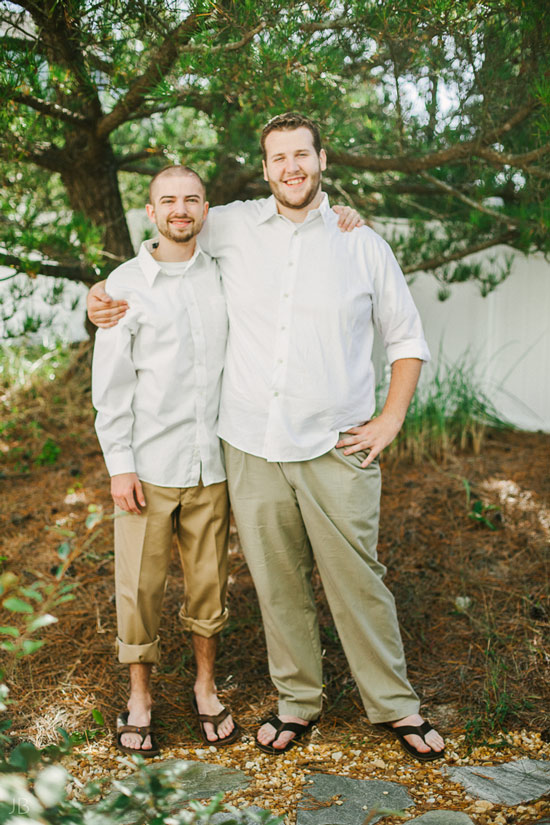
462 86
48 454
449 412
477 510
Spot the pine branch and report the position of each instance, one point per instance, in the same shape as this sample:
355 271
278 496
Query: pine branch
160 62
48 108
226 47
185 97
46 156
73 272
522 162
453 154
441 260
129 159
450 190
57 38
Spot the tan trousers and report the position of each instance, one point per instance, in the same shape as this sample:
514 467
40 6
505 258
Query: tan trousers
199 516
325 510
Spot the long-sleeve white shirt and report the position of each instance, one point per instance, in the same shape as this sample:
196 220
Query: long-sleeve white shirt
302 301
157 374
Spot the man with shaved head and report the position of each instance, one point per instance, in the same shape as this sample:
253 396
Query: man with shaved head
156 387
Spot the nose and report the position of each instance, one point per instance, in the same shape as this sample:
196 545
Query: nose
292 164
179 207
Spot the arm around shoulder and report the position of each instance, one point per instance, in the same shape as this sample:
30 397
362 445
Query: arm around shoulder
104 311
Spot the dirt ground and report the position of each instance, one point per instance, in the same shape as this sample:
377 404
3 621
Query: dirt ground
474 605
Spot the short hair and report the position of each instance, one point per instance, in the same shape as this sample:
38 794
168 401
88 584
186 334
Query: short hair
176 170
288 122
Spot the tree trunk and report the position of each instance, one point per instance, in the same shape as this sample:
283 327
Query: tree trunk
93 190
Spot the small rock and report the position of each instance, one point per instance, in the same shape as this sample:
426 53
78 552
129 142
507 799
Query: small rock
483 805
378 763
337 755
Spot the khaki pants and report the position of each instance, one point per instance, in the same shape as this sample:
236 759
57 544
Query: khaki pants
289 515
199 516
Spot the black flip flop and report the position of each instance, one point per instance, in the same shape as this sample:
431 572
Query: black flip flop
235 734
144 731
421 730
295 727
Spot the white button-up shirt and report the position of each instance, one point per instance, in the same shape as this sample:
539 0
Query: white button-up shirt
156 375
303 299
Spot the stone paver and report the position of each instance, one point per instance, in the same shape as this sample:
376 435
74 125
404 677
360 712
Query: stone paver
328 799
357 798
442 818
188 780
246 816
510 784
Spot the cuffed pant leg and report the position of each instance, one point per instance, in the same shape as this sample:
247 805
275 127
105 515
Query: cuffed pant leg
279 557
142 555
203 533
339 501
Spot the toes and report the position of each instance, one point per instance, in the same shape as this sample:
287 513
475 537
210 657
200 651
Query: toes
266 734
211 734
226 728
129 740
435 741
419 744
283 740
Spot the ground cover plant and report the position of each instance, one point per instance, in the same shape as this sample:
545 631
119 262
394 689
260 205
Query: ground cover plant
464 535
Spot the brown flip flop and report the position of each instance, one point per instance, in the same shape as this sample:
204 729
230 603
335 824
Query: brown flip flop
235 734
144 731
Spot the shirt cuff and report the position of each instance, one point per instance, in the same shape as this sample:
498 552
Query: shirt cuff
408 349
122 462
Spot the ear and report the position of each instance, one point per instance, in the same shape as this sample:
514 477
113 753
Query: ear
265 170
205 213
323 159
150 209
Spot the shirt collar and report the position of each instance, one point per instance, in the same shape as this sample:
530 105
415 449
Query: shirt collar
269 208
151 267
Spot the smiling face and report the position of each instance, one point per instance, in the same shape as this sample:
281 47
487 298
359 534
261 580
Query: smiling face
178 206
293 168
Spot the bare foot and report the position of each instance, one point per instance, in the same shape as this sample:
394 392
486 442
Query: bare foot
432 741
209 704
266 734
140 715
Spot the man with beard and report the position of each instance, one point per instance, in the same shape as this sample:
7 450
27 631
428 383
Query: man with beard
301 445
156 387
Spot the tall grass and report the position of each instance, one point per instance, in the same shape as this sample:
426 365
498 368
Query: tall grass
448 413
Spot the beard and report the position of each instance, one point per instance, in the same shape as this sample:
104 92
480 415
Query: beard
180 235
281 194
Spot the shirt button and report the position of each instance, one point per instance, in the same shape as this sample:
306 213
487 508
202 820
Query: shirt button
280 361
275 394
285 295
283 327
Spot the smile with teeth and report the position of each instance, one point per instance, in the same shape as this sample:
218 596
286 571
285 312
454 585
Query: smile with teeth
294 181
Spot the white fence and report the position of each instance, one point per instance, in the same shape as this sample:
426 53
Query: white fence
504 336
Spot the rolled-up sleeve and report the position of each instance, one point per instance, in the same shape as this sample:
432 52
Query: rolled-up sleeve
394 311
114 380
